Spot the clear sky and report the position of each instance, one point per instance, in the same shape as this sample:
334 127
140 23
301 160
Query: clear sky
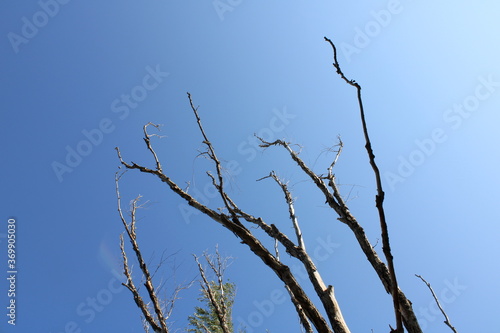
79 78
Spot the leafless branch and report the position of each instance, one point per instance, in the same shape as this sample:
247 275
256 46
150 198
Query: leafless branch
336 202
216 297
211 153
158 324
291 209
235 219
276 249
232 223
446 319
302 316
220 308
148 143
379 199
133 289
218 266
338 151
326 294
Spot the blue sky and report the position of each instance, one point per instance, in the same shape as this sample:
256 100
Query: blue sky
80 78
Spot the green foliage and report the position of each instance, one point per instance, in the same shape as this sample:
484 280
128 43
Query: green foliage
205 319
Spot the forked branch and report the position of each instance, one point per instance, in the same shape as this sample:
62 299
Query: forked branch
291 209
218 302
232 223
159 323
235 216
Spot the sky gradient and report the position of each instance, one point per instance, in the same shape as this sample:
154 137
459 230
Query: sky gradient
81 78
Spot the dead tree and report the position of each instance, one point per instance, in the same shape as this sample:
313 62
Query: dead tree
239 222
218 294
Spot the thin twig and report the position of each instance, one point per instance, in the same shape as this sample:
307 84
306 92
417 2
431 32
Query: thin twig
338 152
148 143
446 319
291 209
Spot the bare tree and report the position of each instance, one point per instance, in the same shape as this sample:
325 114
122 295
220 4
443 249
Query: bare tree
241 223
217 293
